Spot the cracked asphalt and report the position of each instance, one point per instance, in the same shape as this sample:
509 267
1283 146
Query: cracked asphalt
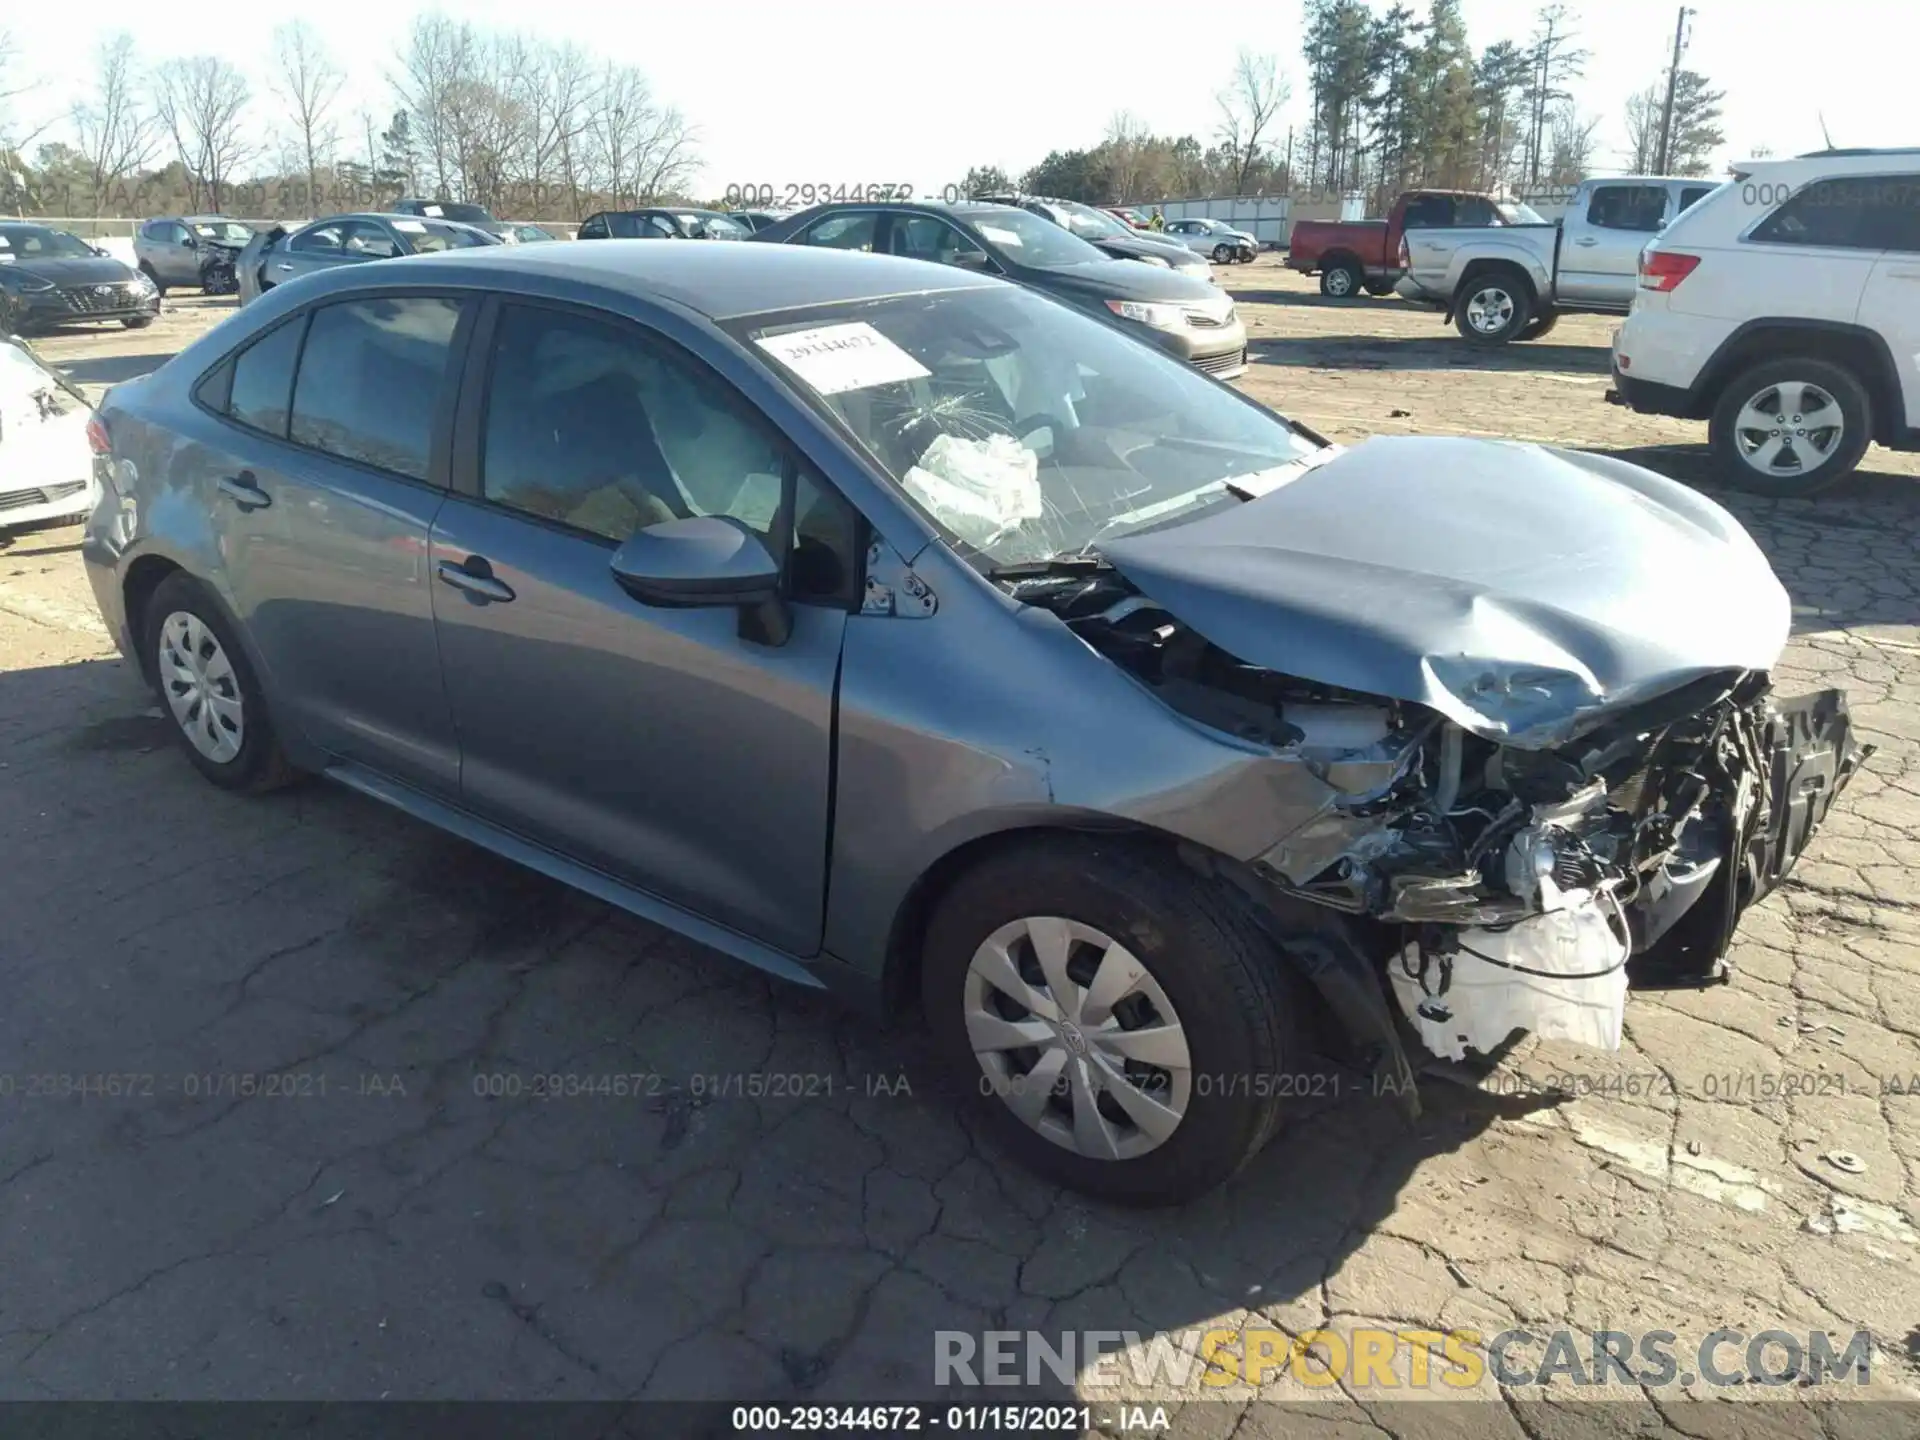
399 1214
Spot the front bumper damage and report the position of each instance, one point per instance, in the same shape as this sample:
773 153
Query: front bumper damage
1482 886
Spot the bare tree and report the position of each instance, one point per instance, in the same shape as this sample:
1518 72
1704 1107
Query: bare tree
1252 97
1570 142
308 84
1555 59
12 86
1643 129
203 101
641 149
433 67
1127 136
116 135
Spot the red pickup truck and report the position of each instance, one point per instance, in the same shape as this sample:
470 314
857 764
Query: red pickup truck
1351 255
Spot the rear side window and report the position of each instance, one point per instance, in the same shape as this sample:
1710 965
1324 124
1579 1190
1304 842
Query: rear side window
262 376
1475 210
1428 212
595 228
843 232
370 380
1861 212
1628 207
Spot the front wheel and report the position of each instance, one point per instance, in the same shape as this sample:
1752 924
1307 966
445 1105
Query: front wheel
1222 254
209 690
1492 309
137 322
1790 427
1121 1022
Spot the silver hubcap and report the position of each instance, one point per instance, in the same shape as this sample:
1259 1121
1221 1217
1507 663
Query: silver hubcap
1077 1038
201 688
1339 282
1490 311
1789 429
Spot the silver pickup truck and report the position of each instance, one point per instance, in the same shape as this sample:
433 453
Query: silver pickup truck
1512 282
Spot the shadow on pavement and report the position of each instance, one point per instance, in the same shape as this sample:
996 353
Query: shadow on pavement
1446 351
111 369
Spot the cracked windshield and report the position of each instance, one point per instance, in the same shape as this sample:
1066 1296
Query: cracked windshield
1027 433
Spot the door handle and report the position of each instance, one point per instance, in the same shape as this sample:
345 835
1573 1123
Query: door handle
244 490
284 265
1586 240
481 587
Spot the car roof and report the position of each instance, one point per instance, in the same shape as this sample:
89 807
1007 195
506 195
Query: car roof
717 281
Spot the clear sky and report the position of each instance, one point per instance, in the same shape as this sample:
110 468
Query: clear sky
841 92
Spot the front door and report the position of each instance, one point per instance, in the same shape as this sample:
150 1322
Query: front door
1891 302
654 744
322 506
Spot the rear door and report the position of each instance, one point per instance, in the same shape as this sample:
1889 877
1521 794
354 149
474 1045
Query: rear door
318 247
1891 303
657 745
332 468
1601 243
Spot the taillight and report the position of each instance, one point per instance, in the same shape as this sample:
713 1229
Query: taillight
97 436
1663 270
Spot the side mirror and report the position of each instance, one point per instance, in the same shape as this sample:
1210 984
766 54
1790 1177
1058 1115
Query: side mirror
191 242
702 562
101 251
972 260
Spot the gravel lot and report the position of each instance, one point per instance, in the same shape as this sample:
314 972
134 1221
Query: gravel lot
402 1235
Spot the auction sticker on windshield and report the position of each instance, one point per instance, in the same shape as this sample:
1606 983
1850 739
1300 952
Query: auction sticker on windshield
837 358
410 227
1000 236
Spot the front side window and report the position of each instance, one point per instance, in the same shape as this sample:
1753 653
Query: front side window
1640 208
321 240
593 426
372 241
1023 430
593 228
843 232
927 237
370 380
428 237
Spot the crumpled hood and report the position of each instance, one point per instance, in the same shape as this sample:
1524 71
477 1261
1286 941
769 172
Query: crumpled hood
1520 590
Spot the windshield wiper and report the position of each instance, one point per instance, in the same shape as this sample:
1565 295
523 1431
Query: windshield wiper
1056 565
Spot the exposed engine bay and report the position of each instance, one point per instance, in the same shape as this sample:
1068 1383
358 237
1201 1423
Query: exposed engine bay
1522 880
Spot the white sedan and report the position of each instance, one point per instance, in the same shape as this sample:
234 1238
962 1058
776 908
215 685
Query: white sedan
1213 238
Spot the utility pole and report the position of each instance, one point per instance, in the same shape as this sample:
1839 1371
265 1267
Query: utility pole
1673 77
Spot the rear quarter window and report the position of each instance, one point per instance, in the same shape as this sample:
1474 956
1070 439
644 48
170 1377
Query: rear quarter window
254 387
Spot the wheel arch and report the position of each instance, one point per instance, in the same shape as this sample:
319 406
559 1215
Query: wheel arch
1854 347
143 577
1333 259
906 935
1492 265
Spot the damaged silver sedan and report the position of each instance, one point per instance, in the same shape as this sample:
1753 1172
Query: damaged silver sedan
906 633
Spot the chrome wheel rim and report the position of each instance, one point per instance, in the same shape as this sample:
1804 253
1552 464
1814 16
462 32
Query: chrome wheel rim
201 688
1490 311
1077 1038
1789 428
1339 282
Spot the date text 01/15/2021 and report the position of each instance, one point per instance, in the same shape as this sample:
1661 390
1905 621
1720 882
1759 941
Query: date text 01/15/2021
961 1419
769 196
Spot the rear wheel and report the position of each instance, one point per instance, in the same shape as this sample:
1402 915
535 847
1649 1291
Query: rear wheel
1379 287
137 322
1341 280
1790 427
1493 308
209 690
1112 1015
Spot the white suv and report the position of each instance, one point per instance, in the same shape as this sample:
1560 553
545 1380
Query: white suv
1784 309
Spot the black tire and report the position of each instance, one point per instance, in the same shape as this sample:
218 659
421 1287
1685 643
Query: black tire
1342 280
1541 325
147 270
1236 999
137 322
1517 310
1841 385
260 765
1379 287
